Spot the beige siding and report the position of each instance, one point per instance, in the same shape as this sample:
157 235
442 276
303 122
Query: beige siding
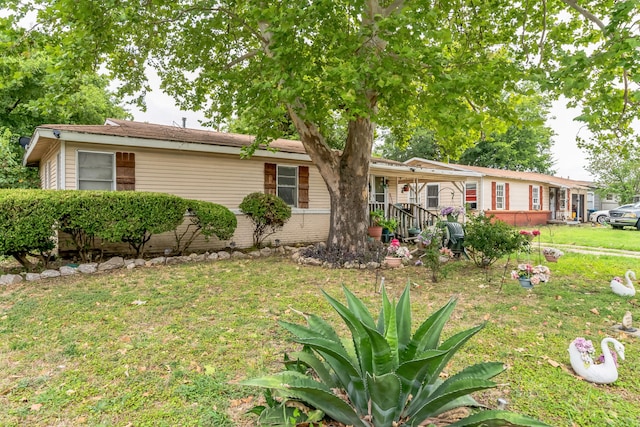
49 167
222 179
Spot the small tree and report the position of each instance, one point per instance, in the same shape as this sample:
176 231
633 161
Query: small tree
267 212
487 240
206 219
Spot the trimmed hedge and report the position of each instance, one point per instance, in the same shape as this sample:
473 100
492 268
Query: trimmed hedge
27 223
267 212
30 218
206 219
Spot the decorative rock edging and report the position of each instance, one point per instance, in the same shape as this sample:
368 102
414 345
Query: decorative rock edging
130 264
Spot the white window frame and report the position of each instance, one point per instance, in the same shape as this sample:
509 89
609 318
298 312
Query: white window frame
294 186
374 195
429 198
46 182
535 197
501 195
113 172
466 187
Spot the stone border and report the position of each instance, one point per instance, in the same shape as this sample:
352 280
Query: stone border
117 262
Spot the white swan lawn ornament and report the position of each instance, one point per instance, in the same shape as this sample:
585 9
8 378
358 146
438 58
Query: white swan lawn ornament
581 356
625 290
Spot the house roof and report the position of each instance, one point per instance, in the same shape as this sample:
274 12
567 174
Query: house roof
129 133
505 174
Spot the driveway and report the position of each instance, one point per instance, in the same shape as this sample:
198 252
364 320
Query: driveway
593 251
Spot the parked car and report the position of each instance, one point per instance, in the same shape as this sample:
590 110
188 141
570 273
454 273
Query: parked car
602 217
625 216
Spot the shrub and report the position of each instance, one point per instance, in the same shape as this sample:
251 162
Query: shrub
487 240
267 212
27 220
206 219
135 216
391 378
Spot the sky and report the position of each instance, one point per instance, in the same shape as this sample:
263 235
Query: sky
570 161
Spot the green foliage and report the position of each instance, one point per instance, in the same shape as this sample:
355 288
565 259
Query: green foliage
206 219
488 240
421 144
135 216
616 174
390 224
12 173
27 223
391 377
376 216
268 213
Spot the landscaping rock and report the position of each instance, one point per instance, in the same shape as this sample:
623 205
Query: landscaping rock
139 262
213 257
131 266
266 251
238 255
200 258
156 261
88 268
112 264
10 279
65 270
224 255
32 277
47 274
255 254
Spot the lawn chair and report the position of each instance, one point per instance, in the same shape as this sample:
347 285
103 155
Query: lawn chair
453 238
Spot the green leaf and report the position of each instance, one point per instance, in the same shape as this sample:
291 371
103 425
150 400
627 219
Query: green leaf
308 358
427 336
498 419
384 392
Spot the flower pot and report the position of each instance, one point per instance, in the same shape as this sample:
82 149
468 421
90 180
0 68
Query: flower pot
375 232
525 282
551 258
392 262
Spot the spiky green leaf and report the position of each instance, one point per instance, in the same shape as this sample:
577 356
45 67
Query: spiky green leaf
309 359
427 336
384 392
498 419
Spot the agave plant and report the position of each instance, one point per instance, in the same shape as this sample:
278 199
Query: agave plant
388 377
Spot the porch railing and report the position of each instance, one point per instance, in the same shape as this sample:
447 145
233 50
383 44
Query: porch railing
408 215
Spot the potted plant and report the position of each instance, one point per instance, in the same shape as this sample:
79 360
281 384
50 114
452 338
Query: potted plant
529 275
388 228
375 229
396 253
552 254
451 213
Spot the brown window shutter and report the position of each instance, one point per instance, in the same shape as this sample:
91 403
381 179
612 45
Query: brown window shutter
540 196
270 178
303 186
506 196
493 196
568 204
531 197
125 171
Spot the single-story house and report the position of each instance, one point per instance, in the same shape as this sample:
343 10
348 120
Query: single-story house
518 198
205 165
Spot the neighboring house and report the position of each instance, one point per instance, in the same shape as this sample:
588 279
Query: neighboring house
205 165
518 198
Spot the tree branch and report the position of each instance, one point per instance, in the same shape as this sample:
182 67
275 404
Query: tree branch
241 58
584 12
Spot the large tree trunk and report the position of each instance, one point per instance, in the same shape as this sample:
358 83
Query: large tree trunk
346 175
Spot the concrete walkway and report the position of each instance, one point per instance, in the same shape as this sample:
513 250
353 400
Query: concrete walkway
591 250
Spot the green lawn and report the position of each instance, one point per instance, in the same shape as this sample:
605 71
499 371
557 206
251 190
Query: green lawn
76 351
589 235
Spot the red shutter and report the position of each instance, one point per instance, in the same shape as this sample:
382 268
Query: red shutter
531 197
506 196
303 186
540 197
125 171
569 200
493 196
269 178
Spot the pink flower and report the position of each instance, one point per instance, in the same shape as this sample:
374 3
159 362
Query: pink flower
536 232
615 358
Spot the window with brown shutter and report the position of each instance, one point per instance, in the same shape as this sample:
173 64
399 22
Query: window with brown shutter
125 171
303 187
493 195
270 178
506 196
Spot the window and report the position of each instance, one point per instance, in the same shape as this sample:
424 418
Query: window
609 197
591 200
96 171
471 195
500 196
287 184
432 196
379 186
562 199
46 182
535 197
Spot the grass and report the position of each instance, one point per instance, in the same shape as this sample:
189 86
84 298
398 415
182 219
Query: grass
592 236
76 351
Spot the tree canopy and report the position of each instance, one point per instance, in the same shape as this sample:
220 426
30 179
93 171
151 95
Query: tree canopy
39 87
441 66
